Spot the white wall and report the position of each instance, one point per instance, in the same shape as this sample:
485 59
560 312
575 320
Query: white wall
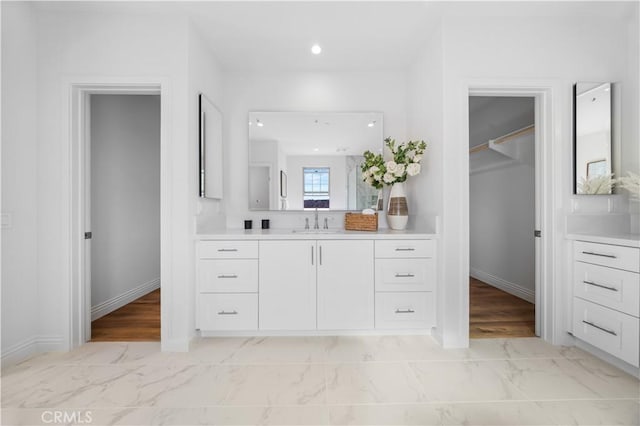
100 46
299 91
125 197
19 183
425 93
554 52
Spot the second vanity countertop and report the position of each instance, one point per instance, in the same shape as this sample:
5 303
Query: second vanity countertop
319 234
628 240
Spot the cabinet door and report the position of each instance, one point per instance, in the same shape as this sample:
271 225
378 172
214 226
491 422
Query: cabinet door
287 285
345 285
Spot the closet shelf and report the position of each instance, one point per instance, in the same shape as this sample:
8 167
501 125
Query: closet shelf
515 147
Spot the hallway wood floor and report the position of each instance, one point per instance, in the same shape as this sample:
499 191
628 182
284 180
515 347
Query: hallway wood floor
137 321
494 313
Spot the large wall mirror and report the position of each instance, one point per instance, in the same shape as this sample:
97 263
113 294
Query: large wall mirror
303 160
592 133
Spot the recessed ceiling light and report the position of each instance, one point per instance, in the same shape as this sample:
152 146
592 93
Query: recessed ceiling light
316 49
259 123
371 124
316 149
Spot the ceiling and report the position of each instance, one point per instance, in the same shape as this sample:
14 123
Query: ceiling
354 35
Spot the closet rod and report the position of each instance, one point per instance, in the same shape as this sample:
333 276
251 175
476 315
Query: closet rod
503 139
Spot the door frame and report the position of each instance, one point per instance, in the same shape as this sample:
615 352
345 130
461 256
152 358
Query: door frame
80 190
545 159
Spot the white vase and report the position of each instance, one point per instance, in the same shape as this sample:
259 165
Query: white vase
397 212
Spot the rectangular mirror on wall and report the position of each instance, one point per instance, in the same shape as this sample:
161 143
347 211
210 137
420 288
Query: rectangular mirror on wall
210 130
592 138
308 160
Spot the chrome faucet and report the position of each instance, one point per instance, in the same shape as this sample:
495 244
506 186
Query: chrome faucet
315 220
306 223
326 223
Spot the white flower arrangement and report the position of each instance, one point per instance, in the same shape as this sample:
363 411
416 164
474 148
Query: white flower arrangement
631 183
600 184
406 162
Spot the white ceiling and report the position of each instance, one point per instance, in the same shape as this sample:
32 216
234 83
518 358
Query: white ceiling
356 35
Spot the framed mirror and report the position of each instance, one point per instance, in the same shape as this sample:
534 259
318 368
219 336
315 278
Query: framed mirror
308 160
210 130
592 138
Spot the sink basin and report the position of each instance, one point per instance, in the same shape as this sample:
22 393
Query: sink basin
316 231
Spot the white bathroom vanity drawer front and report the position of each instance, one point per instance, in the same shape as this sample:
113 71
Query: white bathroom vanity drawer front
607 329
405 310
416 274
228 275
627 258
385 249
609 287
228 311
228 250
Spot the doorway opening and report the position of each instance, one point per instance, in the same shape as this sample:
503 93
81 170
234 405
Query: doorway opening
135 177
503 216
124 216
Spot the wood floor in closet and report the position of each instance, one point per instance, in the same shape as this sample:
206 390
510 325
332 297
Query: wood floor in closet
494 313
137 321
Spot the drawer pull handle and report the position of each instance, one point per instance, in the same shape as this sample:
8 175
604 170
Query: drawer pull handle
591 253
600 285
227 249
405 249
228 313
405 311
606 330
228 276
405 275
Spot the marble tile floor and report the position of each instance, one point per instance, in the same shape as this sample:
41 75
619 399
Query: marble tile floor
369 380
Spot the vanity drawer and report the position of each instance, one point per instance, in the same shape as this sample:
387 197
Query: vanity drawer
405 274
228 275
610 287
404 310
404 248
228 250
228 311
609 330
627 258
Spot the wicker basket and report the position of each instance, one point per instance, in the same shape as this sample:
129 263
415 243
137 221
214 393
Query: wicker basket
360 222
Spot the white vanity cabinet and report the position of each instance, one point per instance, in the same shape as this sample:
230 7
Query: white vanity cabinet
405 284
312 284
227 296
277 283
345 285
606 298
288 285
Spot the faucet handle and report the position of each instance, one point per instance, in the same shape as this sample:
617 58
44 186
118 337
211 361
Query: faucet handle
326 223
306 223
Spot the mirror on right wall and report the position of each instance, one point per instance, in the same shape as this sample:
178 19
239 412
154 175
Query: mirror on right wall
592 138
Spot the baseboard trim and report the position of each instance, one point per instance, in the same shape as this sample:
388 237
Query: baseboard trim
504 285
117 302
30 347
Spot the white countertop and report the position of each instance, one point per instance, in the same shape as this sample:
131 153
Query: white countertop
321 234
628 240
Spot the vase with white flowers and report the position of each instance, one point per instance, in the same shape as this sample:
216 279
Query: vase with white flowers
405 162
